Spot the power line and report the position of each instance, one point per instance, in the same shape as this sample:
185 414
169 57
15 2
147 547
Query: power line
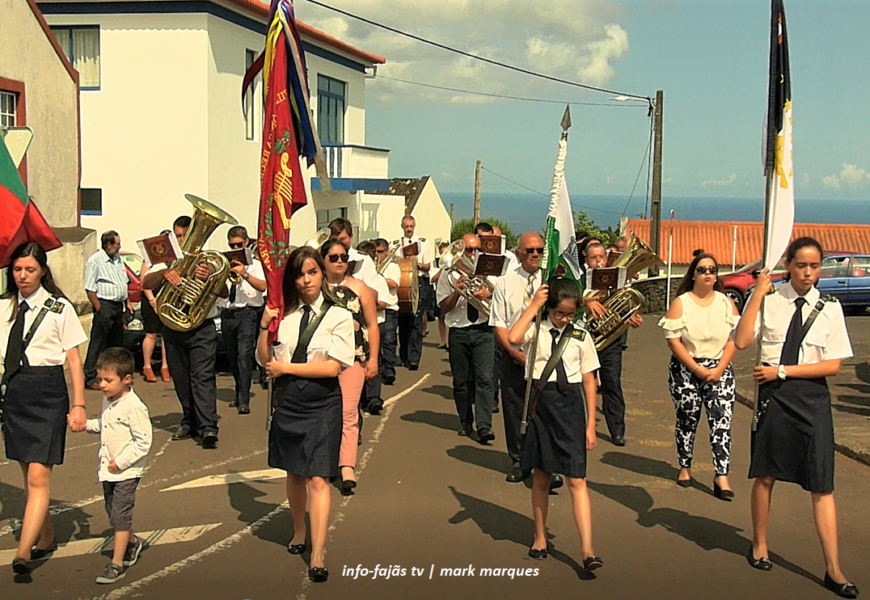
643 162
474 56
508 97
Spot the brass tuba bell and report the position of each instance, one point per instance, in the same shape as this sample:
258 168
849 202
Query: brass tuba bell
186 307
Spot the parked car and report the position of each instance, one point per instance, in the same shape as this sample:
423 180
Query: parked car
133 265
847 277
134 334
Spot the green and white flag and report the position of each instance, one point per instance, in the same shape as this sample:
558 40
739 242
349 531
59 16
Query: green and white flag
560 243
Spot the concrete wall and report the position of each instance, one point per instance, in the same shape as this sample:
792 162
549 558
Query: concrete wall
27 55
433 220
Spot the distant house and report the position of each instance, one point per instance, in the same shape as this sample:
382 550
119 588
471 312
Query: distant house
740 241
39 89
162 113
383 211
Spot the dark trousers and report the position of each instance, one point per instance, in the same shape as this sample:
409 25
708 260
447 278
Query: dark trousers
498 354
239 328
471 356
513 394
411 327
191 357
612 400
386 358
107 331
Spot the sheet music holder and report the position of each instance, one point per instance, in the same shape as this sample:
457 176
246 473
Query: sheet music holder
612 257
242 255
411 250
491 243
160 249
490 265
607 278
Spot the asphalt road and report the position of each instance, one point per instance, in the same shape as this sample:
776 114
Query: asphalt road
428 500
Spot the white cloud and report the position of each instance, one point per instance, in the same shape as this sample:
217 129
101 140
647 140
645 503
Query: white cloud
806 181
850 175
578 40
667 180
725 181
611 179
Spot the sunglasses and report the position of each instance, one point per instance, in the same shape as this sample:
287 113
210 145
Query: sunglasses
704 270
469 250
334 258
531 251
237 245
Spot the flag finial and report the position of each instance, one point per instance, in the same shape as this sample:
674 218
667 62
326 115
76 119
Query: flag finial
566 119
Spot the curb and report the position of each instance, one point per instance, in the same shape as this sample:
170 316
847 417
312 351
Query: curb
859 454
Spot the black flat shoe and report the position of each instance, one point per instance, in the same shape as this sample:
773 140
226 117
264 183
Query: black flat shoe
347 485
726 495
592 563
39 553
556 482
843 590
318 574
21 566
296 548
538 554
762 564
685 483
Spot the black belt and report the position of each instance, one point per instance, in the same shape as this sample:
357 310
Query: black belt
111 301
554 386
246 307
478 327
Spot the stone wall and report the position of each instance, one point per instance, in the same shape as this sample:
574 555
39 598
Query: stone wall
654 290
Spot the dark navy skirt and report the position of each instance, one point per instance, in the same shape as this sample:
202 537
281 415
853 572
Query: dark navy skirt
795 437
305 435
555 440
34 415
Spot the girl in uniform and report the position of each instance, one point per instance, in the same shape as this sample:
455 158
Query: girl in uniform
698 327
361 301
305 434
803 341
561 428
39 332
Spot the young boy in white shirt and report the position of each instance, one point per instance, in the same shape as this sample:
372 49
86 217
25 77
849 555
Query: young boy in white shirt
125 434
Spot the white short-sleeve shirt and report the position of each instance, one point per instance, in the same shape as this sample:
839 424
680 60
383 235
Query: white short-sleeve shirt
509 296
580 355
458 317
393 273
334 337
59 331
246 294
704 330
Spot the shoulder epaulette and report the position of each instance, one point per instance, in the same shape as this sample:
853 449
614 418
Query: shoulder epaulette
772 290
54 305
578 333
828 298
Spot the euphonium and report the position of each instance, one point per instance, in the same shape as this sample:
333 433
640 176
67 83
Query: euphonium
625 302
186 307
391 256
315 241
456 265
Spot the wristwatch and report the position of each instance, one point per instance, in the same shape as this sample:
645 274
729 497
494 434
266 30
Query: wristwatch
780 372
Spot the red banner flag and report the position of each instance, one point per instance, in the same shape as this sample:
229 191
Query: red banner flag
282 188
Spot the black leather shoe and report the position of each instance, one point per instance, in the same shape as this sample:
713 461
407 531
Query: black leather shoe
619 440
592 563
209 440
762 564
296 548
183 433
538 554
517 476
347 485
464 431
485 436
233 404
318 574
244 409
21 566
39 553
685 483
389 380
495 409
413 366
556 482
726 495
843 590
376 406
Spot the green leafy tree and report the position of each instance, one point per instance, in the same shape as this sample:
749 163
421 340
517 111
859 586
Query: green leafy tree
464 226
586 227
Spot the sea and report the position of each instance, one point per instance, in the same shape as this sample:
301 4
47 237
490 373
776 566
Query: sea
526 211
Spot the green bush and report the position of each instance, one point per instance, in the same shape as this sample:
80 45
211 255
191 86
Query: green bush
464 226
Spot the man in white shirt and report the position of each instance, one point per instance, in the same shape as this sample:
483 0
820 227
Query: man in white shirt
364 266
471 351
411 326
240 319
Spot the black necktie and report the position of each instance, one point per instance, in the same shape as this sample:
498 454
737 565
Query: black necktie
472 313
792 346
232 297
303 325
14 347
561 374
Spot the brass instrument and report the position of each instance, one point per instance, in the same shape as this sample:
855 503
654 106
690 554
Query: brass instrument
456 265
391 257
625 302
186 307
315 241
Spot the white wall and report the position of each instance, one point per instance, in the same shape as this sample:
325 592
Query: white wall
433 220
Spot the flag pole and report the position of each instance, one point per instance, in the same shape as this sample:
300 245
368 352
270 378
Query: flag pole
558 173
768 185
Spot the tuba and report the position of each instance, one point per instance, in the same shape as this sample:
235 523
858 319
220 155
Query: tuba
315 241
456 265
625 302
186 307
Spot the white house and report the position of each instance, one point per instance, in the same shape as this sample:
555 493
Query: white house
161 114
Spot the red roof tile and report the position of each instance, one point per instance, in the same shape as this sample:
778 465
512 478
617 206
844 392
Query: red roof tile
717 238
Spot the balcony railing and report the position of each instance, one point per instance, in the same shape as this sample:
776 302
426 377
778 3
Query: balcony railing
356 162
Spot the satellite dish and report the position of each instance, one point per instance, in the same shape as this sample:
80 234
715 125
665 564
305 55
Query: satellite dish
17 141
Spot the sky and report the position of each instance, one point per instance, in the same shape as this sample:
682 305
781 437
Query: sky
710 57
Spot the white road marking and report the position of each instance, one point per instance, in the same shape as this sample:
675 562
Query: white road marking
93 546
228 478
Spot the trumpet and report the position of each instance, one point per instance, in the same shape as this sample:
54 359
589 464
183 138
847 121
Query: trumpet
391 257
456 266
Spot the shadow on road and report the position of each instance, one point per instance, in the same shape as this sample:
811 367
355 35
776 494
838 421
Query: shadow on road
862 372
445 391
502 524
707 534
862 410
243 498
167 422
428 417
648 466
226 395
493 460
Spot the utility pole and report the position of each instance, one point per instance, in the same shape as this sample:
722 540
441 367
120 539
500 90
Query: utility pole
655 224
452 221
476 216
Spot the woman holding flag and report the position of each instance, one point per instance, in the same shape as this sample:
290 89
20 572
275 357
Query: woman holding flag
803 341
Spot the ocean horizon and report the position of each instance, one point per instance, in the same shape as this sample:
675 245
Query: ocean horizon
527 211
